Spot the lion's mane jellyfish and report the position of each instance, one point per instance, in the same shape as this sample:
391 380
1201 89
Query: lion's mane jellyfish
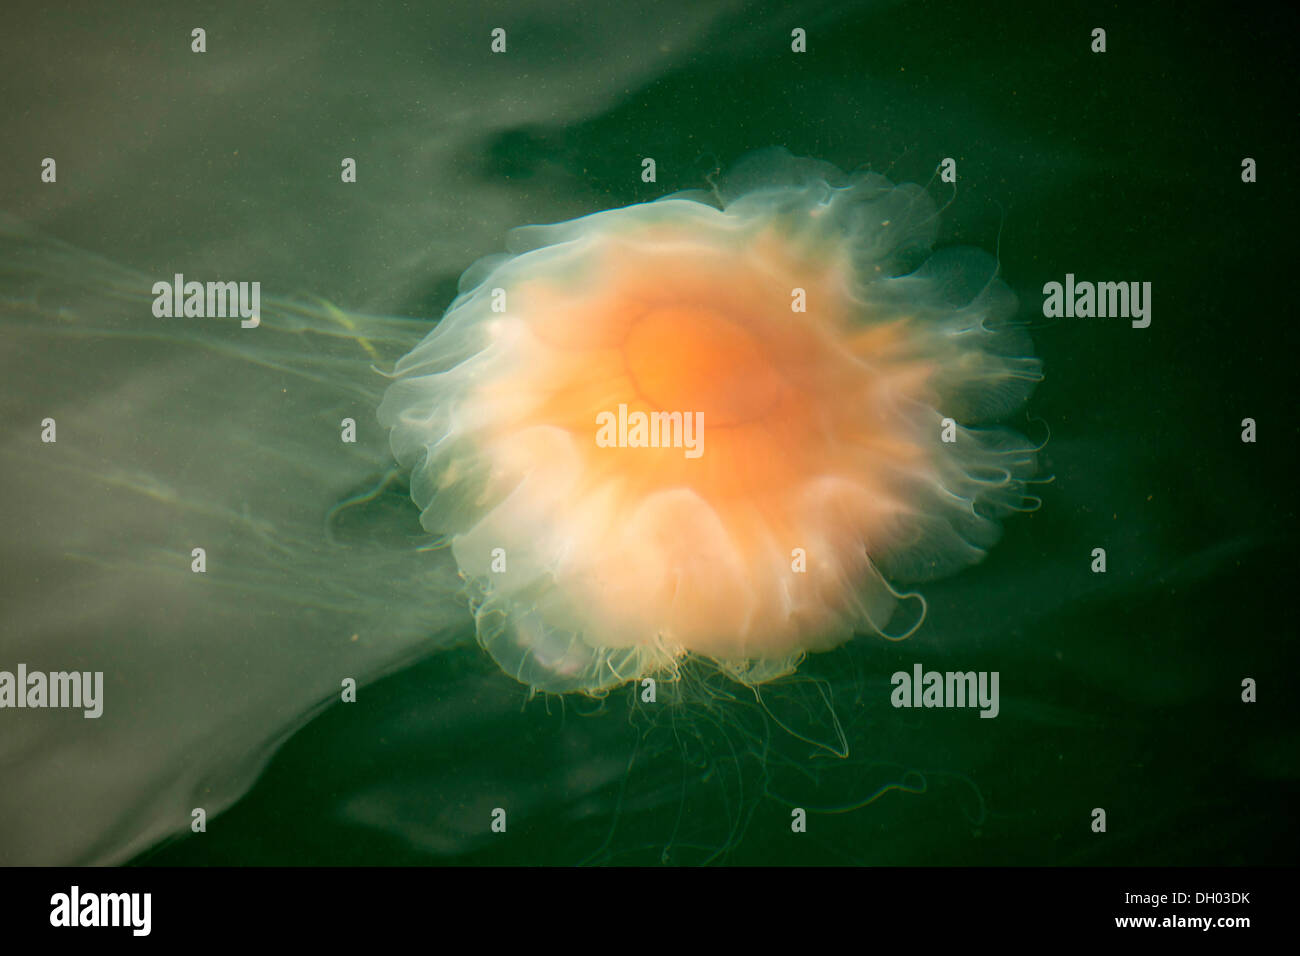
720 424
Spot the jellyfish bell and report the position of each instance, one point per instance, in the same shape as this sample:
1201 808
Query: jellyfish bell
840 385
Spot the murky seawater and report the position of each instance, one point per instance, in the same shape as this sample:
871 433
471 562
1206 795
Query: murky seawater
1118 690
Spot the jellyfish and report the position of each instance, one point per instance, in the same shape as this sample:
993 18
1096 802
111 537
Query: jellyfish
726 427
801 395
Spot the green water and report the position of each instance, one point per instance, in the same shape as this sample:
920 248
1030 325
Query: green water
1118 690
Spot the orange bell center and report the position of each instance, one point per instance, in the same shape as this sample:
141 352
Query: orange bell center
692 359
